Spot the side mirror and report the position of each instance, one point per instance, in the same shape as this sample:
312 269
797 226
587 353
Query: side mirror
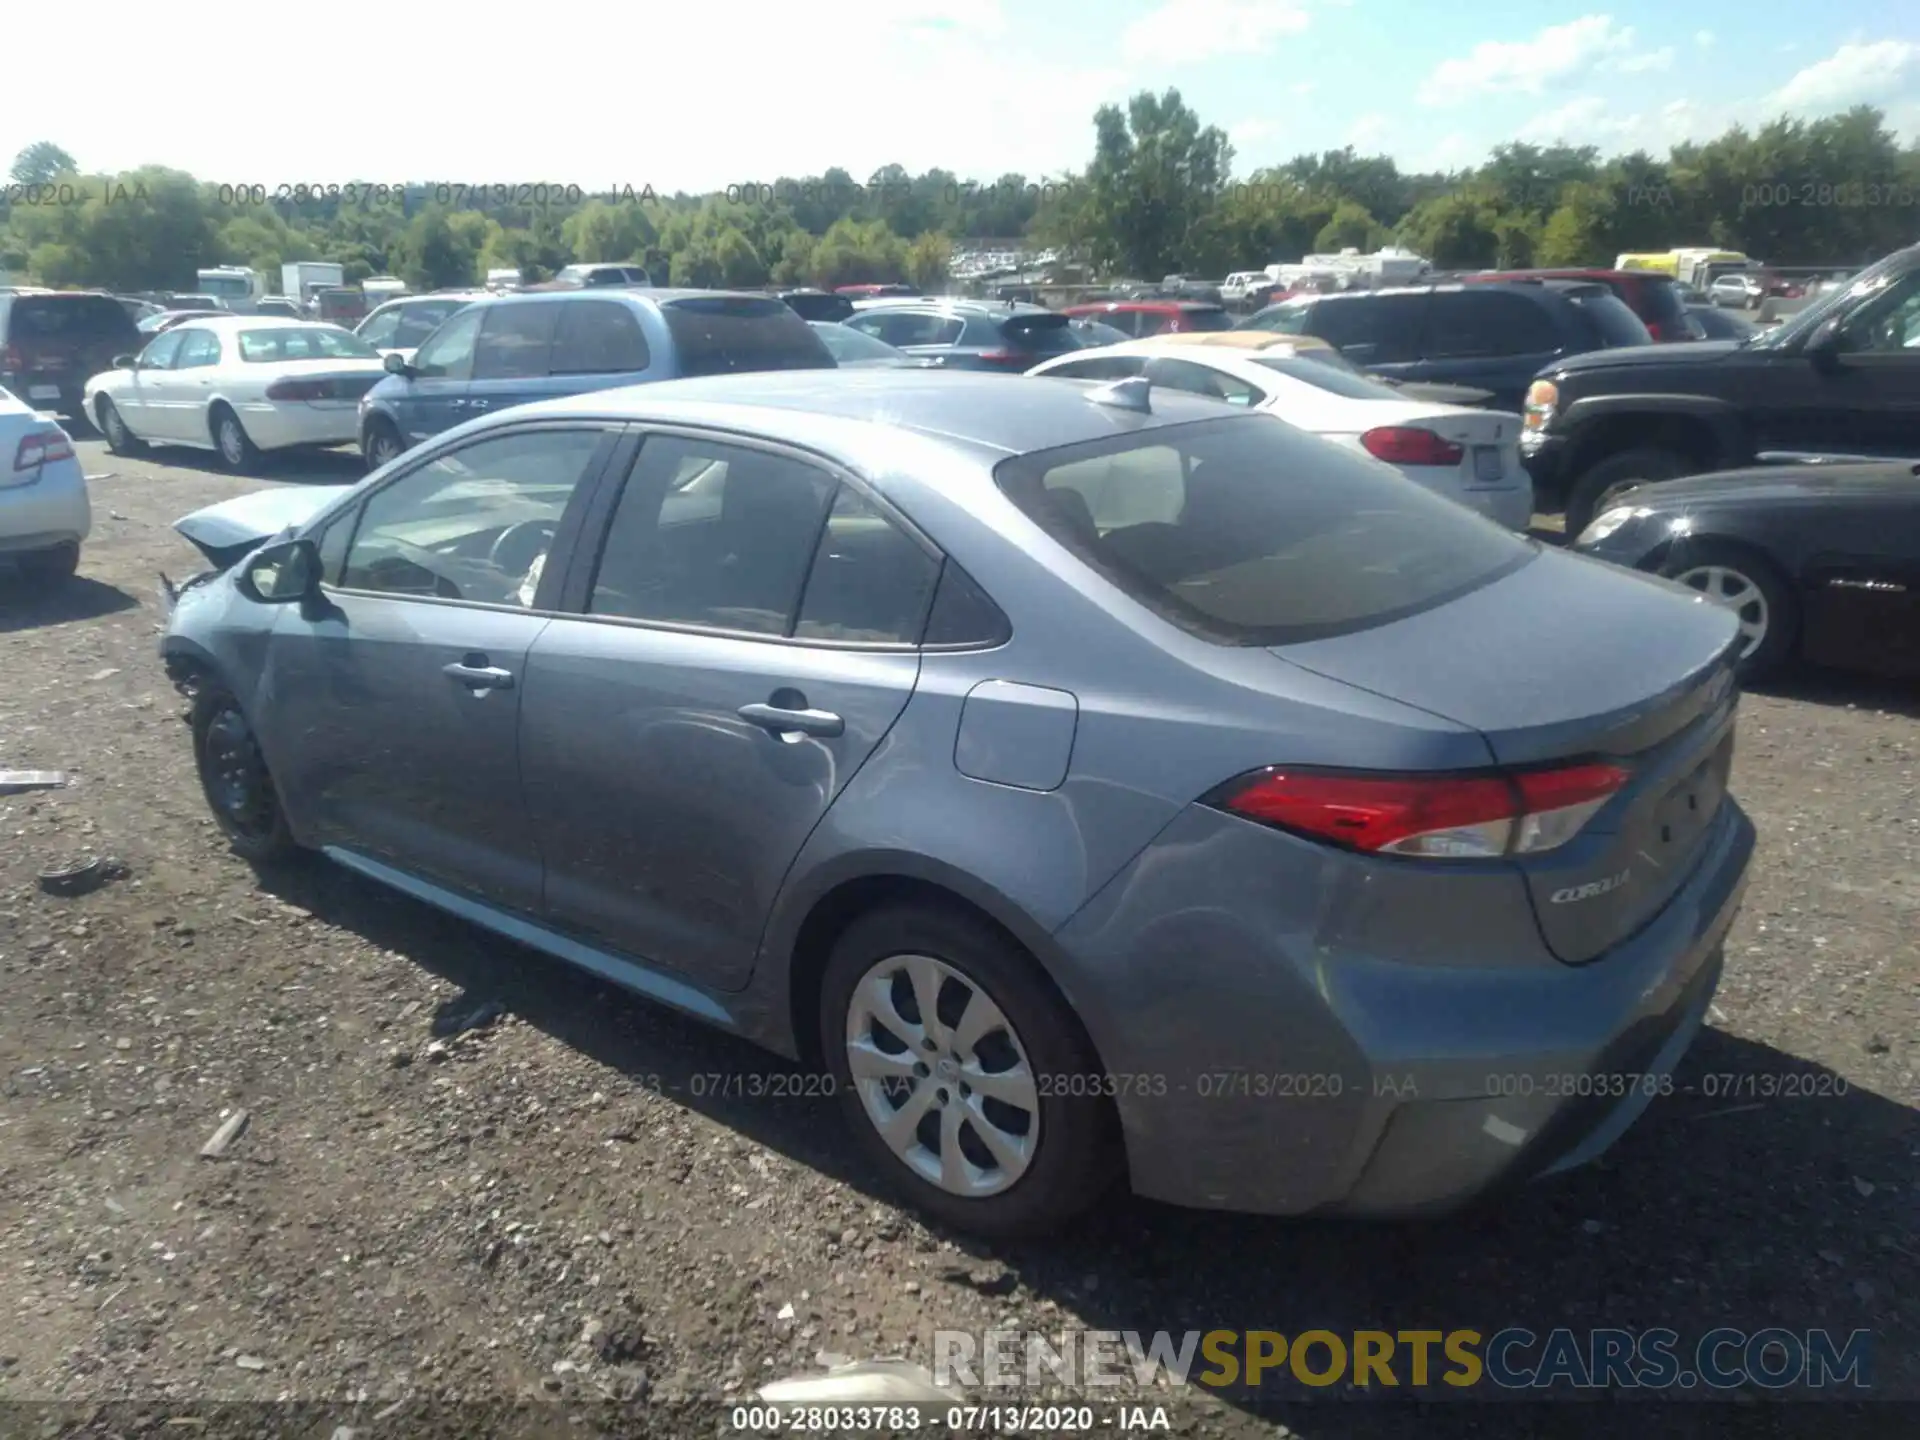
397 365
281 573
125 362
1824 344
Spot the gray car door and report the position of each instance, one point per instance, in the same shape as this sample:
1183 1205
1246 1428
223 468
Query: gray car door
398 699
744 638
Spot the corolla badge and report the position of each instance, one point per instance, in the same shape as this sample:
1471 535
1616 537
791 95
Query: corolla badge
1590 889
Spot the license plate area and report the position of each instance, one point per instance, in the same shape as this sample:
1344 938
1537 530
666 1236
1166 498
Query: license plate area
1689 807
1488 463
43 392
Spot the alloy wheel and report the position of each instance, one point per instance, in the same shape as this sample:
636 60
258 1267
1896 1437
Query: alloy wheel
236 775
1737 592
233 442
942 1076
116 428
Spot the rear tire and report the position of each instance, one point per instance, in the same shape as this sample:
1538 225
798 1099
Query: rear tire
234 778
1748 584
237 452
1055 1146
120 440
1614 476
54 565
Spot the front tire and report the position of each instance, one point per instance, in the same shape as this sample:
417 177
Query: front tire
120 440
1748 585
234 778
989 1114
380 443
1614 476
237 452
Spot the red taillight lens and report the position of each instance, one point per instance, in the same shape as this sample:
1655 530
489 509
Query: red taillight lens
41 446
1001 357
1436 817
300 390
1410 445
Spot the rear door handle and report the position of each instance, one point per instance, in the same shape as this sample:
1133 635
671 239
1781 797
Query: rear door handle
778 721
476 674
479 404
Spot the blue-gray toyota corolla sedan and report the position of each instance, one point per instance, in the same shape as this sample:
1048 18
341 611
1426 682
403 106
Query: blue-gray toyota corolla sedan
1090 780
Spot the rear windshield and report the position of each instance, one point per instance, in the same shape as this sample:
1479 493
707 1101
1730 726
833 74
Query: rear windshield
1247 531
1041 334
847 343
1335 379
1206 320
1616 324
68 317
719 334
1287 319
303 342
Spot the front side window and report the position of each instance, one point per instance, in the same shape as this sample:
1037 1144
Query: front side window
516 342
1246 531
448 353
198 348
1889 324
161 351
417 322
713 535
1477 324
473 524
1370 329
379 330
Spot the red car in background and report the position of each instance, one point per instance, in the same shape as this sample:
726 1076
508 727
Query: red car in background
1650 295
1140 318
874 292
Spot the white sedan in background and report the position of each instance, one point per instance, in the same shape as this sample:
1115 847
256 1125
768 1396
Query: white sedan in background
1468 455
44 513
237 385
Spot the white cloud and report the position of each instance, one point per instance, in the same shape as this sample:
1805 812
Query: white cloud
1703 38
1558 53
1184 31
1589 120
1301 89
1453 151
1367 132
1854 75
1251 132
1661 59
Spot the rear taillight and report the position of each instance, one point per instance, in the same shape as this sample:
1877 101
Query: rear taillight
39 447
1410 445
1434 817
301 390
1001 357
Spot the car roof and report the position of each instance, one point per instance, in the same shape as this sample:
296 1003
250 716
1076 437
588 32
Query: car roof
1233 340
1155 306
987 416
653 294
223 322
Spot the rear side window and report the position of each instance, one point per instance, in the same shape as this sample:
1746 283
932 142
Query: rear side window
720 334
1101 367
1371 329
417 322
870 580
516 342
1334 379
1612 321
901 328
1659 303
1478 324
1284 319
598 337
963 613
1201 320
1040 334
1246 531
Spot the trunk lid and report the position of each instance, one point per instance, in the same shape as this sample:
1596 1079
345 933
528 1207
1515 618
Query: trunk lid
1562 661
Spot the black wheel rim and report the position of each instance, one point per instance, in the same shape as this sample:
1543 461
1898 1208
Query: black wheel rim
236 778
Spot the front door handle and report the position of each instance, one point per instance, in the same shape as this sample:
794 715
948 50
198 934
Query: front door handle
479 404
476 674
780 721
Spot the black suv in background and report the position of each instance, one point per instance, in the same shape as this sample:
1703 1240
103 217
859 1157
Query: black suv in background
51 344
1841 379
1494 337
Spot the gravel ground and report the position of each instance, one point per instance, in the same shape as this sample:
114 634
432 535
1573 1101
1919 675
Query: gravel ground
541 1206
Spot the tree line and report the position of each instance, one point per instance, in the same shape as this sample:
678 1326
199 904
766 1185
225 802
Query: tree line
1158 196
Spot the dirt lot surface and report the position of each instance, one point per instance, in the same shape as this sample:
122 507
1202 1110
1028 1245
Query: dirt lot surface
555 1205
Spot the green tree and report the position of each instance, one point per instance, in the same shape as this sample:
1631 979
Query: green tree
1350 224
927 261
1577 232
1156 175
433 255
1455 232
40 162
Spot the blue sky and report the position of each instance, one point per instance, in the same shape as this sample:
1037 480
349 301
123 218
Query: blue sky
697 96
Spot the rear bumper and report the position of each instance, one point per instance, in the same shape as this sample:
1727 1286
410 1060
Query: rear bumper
276 427
53 510
1265 1060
